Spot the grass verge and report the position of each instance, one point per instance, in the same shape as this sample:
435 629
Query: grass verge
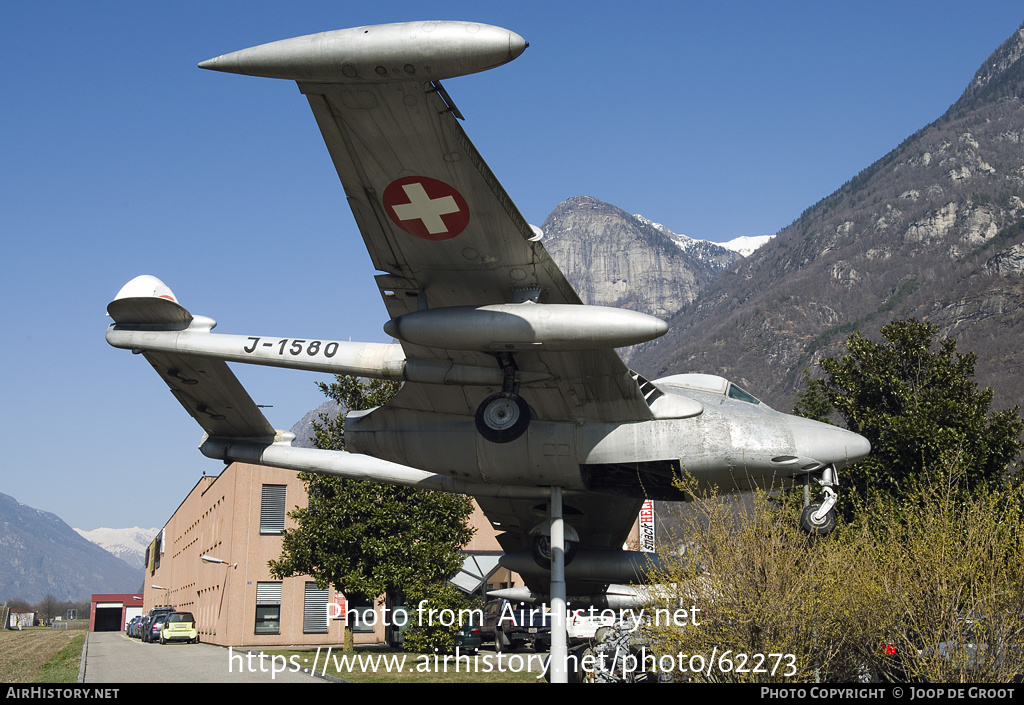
372 666
40 655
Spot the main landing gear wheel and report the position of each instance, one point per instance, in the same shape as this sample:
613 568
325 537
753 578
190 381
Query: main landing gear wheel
502 417
817 527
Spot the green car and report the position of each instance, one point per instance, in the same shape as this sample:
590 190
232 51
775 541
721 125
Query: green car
467 639
179 626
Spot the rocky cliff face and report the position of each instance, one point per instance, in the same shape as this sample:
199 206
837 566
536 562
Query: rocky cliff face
614 258
931 230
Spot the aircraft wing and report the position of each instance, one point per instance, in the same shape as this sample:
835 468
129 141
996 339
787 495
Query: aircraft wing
465 279
439 225
403 158
403 149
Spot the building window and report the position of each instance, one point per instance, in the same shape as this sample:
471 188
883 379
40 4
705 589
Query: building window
314 611
268 608
272 509
362 616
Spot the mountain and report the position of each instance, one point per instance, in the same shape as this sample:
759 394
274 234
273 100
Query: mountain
303 429
613 258
127 544
41 555
933 230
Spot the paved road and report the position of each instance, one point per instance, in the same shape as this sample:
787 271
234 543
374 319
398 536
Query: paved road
111 657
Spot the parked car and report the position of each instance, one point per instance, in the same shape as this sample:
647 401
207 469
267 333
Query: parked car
146 629
179 626
133 626
151 627
156 623
514 627
469 638
582 625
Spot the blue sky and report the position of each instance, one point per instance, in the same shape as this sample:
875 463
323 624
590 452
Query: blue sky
120 158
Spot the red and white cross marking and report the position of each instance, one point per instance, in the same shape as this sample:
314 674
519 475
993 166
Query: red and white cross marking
425 207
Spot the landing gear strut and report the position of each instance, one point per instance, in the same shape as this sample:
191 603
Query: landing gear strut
505 416
820 519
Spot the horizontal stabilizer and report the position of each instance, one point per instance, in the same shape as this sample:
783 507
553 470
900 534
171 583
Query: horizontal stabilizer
205 386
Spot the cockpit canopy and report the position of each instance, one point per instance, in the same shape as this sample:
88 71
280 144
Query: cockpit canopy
712 384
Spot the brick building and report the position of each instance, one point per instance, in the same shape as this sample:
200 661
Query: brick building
237 518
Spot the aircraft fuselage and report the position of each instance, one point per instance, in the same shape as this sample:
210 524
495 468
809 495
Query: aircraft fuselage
730 444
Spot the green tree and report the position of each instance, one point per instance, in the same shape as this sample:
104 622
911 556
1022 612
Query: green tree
915 399
369 539
813 402
353 394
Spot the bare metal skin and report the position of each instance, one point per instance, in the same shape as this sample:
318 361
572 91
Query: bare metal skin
513 391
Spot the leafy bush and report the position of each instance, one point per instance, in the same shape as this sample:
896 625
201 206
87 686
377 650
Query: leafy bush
429 635
928 587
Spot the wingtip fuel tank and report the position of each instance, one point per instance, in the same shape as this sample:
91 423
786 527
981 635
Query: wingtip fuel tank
424 51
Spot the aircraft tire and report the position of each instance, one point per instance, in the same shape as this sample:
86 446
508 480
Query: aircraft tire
502 417
819 528
584 672
501 644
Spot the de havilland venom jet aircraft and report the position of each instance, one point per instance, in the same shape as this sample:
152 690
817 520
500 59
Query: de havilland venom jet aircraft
513 391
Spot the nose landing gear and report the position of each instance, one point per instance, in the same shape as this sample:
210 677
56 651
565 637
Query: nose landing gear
820 519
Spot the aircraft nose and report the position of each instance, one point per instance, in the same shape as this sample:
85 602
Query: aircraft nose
826 443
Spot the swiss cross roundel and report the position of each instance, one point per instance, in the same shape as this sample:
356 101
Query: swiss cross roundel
425 207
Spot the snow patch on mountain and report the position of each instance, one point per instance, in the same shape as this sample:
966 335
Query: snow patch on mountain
127 544
744 245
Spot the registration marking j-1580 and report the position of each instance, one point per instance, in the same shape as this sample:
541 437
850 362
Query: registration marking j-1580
297 347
